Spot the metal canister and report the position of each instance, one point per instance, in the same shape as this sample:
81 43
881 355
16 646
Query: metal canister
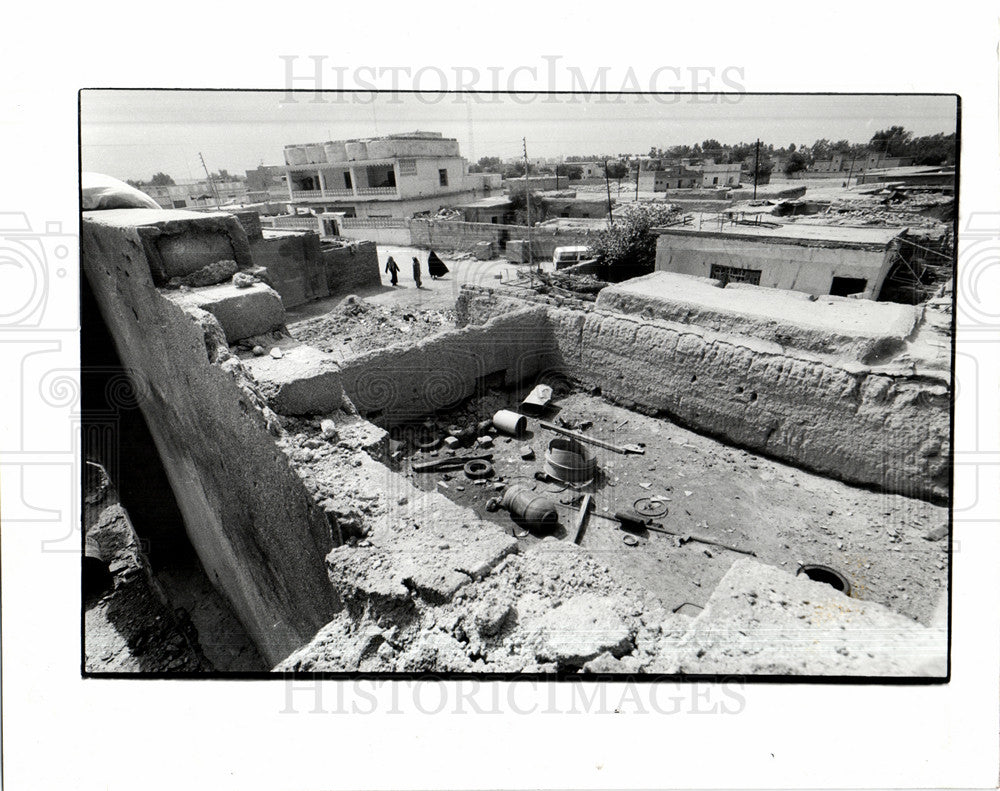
530 508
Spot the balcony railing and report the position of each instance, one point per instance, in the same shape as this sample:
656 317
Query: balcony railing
362 192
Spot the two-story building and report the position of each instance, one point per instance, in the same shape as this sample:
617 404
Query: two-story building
393 176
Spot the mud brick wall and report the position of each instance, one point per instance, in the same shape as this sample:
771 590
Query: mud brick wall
295 266
410 381
246 511
848 421
351 268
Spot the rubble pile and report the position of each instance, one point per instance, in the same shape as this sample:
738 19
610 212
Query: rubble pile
364 326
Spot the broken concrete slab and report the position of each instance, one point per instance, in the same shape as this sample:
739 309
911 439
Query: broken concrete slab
301 381
763 620
583 628
242 312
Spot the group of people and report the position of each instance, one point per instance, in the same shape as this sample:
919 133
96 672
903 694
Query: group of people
435 267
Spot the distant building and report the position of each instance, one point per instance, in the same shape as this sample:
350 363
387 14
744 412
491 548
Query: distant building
496 210
656 176
200 194
722 175
816 259
842 162
393 176
267 182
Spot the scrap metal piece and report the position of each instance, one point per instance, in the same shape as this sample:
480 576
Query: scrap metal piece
623 449
648 507
537 400
581 518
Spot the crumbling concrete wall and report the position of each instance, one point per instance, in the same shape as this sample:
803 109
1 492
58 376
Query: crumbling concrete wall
408 381
295 265
248 516
863 424
352 267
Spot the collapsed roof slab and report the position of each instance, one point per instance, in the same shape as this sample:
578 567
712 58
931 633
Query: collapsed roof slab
847 329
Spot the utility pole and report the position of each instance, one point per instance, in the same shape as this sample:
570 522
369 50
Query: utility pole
756 165
607 184
527 202
211 182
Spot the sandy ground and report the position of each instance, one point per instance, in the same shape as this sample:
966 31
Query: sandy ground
783 514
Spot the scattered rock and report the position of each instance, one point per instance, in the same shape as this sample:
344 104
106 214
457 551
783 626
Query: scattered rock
243 280
276 353
258 351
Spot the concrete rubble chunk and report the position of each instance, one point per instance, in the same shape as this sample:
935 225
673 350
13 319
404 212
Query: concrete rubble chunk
582 629
763 620
302 381
242 312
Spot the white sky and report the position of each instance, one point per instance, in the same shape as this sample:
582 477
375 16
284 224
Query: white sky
132 134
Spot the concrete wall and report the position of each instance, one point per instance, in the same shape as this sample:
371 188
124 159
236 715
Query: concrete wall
381 230
798 267
351 267
409 381
850 421
456 235
295 266
246 512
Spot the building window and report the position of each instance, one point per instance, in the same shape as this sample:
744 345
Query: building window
443 177
845 286
715 179
179 204
407 167
347 180
732 274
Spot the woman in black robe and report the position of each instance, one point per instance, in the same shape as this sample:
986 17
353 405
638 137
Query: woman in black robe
435 266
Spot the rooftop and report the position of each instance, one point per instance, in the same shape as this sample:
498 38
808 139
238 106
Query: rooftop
794 232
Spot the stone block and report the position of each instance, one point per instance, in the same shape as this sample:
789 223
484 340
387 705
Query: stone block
242 312
303 381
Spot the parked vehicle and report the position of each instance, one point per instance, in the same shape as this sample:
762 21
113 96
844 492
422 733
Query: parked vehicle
563 257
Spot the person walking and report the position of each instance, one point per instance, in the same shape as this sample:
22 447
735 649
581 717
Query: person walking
416 271
393 269
435 266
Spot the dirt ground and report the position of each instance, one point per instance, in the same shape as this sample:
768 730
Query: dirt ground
784 515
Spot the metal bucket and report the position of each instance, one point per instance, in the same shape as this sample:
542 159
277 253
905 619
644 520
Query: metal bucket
569 461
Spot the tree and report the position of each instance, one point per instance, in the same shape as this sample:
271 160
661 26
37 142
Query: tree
616 170
628 247
161 180
539 210
571 172
894 141
487 165
796 162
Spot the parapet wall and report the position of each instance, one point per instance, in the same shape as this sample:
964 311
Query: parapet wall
857 423
409 381
246 511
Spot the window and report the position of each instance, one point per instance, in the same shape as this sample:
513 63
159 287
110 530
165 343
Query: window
407 167
845 286
179 203
443 177
715 179
733 274
347 180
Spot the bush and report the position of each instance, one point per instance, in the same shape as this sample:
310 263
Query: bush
628 248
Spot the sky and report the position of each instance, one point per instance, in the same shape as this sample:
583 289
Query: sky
133 134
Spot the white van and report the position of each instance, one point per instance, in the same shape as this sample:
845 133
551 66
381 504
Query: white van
570 256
